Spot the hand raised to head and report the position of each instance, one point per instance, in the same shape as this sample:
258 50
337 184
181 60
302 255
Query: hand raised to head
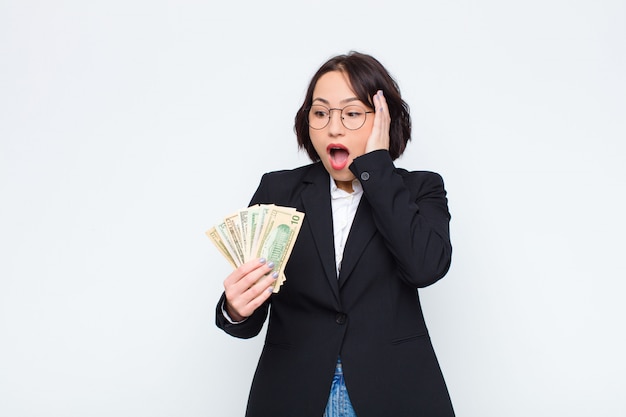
379 138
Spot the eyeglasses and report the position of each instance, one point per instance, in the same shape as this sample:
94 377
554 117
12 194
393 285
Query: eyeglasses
353 117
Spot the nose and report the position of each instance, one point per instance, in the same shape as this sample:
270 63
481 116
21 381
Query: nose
335 124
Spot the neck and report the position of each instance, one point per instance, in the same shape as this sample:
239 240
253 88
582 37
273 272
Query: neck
345 185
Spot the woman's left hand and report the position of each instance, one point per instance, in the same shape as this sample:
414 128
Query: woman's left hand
379 138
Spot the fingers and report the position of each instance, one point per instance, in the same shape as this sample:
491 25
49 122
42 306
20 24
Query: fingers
248 287
379 138
382 112
258 265
382 102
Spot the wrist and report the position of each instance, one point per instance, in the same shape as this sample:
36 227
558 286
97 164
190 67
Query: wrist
232 313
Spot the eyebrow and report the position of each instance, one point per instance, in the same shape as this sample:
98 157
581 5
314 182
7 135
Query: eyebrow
344 101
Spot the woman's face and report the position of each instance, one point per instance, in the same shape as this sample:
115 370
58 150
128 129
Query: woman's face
336 145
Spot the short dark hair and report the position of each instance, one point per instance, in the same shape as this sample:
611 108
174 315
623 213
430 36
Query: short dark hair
367 75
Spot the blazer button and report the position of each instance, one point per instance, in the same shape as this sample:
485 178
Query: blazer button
365 176
340 318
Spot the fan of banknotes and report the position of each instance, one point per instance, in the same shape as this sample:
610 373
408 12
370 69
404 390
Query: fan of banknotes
262 231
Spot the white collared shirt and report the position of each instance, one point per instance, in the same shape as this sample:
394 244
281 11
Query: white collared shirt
344 207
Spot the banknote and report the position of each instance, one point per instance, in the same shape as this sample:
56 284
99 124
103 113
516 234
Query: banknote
221 246
261 231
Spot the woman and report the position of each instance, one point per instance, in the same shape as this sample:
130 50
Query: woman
346 334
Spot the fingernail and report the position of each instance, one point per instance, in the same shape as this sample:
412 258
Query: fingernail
380 93
270 289
262 260
270 265
275 274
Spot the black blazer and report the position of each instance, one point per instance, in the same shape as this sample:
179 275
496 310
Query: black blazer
371 314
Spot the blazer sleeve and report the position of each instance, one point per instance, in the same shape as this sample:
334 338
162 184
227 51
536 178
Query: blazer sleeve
246 329
410 210
252 325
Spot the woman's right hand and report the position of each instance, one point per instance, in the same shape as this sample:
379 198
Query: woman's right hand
248 287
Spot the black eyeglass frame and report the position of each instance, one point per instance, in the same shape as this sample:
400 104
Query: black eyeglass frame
308 113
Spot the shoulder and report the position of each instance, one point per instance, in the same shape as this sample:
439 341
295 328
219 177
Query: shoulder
420 179
283 186
291 177
283 174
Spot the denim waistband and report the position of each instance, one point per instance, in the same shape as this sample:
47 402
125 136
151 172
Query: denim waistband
338 367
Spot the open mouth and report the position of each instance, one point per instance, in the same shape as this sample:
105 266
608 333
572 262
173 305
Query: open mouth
338 156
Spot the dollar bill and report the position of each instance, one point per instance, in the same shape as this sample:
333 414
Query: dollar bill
261 231
222 232
233 229
278 236
221 245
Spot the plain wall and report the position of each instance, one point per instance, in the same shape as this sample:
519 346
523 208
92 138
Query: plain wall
128 128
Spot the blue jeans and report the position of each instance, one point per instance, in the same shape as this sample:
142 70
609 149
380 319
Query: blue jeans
339 404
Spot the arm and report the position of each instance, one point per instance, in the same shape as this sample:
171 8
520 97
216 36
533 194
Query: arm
246 329
246 295
410 211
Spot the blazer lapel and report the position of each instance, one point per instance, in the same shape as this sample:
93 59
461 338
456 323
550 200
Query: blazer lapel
318 212
362 230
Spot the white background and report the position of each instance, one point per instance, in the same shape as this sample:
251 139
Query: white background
128 128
